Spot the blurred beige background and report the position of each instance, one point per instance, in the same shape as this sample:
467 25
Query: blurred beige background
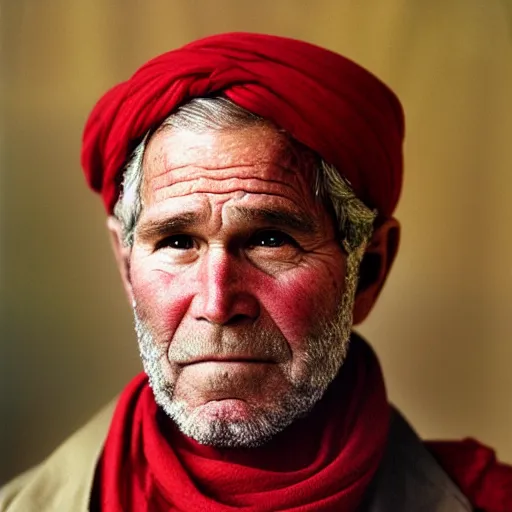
443 326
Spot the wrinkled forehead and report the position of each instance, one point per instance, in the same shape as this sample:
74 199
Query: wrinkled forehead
260 152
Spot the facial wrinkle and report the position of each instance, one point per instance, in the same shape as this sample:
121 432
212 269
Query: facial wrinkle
218 179
258 163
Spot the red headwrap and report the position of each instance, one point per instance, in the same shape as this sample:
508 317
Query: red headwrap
325 101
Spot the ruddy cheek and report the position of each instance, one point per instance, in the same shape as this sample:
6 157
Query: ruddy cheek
162 301
298 305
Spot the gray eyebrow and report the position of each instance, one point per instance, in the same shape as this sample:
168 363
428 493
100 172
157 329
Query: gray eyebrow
159 228
296 221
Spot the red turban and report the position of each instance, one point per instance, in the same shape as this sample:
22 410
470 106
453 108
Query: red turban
325 101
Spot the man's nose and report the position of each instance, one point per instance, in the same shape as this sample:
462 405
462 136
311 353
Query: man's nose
223 296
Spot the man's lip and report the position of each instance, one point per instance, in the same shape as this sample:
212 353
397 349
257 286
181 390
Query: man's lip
228 359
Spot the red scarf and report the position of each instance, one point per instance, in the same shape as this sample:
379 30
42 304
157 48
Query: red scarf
486 482
323 462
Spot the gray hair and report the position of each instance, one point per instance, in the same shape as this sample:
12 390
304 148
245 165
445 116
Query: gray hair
354 219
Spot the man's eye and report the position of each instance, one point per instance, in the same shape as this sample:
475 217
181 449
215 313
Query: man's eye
180 242
271 238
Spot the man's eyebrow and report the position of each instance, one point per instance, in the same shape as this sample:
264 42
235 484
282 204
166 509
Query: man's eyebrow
286 219
158 228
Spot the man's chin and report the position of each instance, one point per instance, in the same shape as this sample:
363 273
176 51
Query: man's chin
230 422
226 423
227 409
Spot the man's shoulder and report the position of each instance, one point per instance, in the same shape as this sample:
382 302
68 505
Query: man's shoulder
409 477
65 477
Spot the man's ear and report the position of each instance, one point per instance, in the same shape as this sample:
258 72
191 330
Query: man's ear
375 267
121 253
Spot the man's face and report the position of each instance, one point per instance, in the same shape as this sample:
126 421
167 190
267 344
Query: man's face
237 278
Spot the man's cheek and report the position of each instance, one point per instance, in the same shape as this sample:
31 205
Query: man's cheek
298 305
161 301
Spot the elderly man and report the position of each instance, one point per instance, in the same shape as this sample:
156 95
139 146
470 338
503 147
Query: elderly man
250 183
